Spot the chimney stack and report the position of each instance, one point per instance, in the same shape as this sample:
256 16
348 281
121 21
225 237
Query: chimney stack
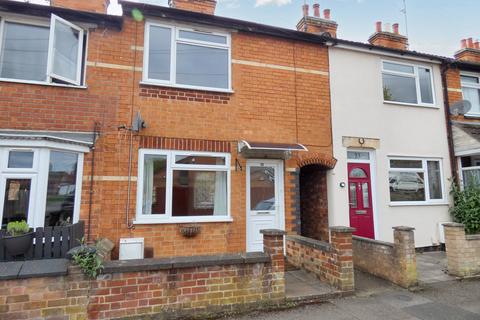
388 38
201 6
317 24
97 6
469 51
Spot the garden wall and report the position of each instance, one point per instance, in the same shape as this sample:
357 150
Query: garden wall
463 251
395 262
177 287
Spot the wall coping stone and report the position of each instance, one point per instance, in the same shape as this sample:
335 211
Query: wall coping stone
137 265
342 229
33 269
273 232
472 236
403 228
313 243
454 225
377 242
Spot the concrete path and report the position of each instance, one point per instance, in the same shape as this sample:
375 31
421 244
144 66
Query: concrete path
300 284
378 299
432 267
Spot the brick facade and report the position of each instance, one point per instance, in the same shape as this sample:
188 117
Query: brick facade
395 262
463 251
331 262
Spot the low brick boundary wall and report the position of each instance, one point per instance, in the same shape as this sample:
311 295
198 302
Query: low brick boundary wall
162 288
463 251
395 262
330 262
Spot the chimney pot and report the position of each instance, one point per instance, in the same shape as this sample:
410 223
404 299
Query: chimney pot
316 10
463 43
476 44
395 28
305 10
378 26
326 14
469 43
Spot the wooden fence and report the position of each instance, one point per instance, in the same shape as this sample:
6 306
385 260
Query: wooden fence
49 242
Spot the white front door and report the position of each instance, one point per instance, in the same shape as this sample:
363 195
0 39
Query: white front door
265 205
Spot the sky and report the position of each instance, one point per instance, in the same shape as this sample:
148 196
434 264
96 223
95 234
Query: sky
434 26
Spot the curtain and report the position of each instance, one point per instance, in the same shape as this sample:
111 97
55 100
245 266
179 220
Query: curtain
148 186
220 199
472 95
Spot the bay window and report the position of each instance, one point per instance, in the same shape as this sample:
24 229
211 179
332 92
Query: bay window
178 186
42 52
408 84
189 58
40 185
415 181
471 92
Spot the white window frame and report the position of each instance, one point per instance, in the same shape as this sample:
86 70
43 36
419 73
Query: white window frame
80 81
424 169
417 83
171 166
175 38
39 183
471 86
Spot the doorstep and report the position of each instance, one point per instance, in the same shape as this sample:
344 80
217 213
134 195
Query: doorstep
302 287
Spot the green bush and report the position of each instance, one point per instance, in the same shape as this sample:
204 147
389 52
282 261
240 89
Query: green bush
466 207
17 228
88 260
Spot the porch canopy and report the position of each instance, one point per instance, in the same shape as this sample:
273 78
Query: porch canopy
466 138
254 149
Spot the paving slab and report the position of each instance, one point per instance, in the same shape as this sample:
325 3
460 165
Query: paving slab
299 283
44 268
432 267
440 311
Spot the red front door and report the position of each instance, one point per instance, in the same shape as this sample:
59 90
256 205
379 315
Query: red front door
360 199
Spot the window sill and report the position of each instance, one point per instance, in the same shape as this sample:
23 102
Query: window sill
411 104
472 115
422 204
159 84
182 220
40 83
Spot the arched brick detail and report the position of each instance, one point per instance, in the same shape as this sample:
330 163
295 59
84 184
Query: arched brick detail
318 159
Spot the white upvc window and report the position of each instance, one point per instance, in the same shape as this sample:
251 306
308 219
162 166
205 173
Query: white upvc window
416 181
40 185
471 92
408 84
42 52
189 58
470 171
183 187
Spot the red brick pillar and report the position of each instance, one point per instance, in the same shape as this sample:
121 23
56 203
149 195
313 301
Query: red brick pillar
405 256
273 246
341 241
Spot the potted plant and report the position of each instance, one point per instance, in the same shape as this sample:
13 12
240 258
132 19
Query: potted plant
19 237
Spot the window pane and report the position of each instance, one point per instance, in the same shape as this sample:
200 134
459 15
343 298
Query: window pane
159 54
17 196
154 184
357 173
65 51
434 180
399 88
471 177
365 195
199 193
262 188
358 155
425 85
24 52
204 160
353 195
407 186
469 79
62 179
473 96
202 66
203 37
406 164
20 159
397 67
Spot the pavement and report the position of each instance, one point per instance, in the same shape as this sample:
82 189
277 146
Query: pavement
378 299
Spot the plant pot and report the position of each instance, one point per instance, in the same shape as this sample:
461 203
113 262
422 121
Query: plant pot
190 231
18 245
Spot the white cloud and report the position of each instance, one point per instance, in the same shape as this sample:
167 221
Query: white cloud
259 3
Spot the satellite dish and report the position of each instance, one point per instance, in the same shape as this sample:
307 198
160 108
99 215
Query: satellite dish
138 123
460 107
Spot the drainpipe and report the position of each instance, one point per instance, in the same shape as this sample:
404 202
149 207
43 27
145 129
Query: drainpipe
92 173
443 69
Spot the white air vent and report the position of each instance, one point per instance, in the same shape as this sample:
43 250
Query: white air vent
131 248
